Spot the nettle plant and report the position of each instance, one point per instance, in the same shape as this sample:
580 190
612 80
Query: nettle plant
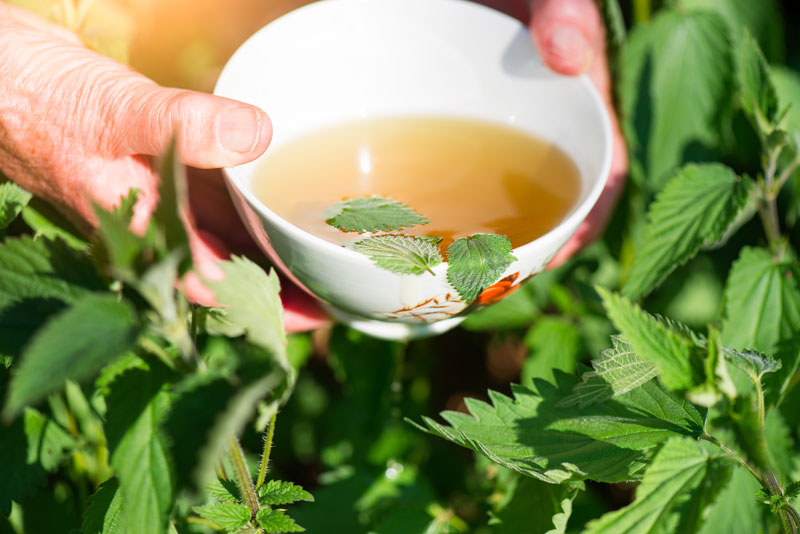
125 408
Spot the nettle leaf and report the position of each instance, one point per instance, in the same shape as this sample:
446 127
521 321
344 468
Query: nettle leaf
759 98
664 344
48 443
253 302
617 371
400 254
475 262
752 362
372 214
274 521
224 490
693 211
120 246
787 87
277 492
12 199
532 433
735 511
104 513
74 345
173 200
680 483
670 117
554 343
762 302
227 515
143 465
536 506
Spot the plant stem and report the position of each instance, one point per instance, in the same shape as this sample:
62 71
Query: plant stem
641 11
734 455
768 208
243 479
157 350
262 471
787 514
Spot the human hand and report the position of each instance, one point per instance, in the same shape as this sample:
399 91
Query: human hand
77 127
571 40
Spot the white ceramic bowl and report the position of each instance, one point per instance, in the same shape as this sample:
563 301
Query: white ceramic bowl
338 60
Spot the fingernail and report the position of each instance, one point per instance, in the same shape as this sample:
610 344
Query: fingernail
239 129
571 45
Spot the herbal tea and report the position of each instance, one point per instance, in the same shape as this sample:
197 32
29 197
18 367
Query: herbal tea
466 176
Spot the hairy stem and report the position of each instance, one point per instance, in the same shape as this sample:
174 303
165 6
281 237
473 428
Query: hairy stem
787 514
262 471
243 479
734 455
768 208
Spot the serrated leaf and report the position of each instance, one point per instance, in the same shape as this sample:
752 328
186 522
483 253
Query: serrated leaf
400 254
143 466
46 222
793 489
228 515
277 492
693 210
735 511
253 303
762 302
673 495
274 521
759 98
104 513
475 262
535 506
372 214
752 362
670 350
74 345
12 199
224 490
121 247
173 200
617 371
534 435
670 118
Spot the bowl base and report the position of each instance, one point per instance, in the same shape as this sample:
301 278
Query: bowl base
392 331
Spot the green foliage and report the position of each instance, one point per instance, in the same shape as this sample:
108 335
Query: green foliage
226 515
372 214
680 483
401 254
694 210
277 492
533 432
277 521
759 98
475 262
12 199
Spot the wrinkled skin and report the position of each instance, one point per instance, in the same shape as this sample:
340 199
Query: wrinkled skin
77 127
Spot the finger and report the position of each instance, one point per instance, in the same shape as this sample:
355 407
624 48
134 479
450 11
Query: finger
210 131
568 33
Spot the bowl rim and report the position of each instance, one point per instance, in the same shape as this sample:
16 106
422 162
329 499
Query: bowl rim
577 215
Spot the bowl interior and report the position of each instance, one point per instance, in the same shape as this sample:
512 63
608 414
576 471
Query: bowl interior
339 60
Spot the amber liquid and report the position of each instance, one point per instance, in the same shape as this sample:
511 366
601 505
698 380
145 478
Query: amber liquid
466 176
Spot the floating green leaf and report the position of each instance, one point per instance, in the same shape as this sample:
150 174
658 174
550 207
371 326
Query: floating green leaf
680 483
227 515
537 436
692 211
666 345
12 199
400 254
275 521
372 214
74 345
475 262
277 492
617 371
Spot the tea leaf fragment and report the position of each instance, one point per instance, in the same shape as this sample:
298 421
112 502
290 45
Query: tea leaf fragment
678 486
401 254
372 214
693 211
476 262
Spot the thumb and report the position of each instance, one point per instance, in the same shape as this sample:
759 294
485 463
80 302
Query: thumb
210 131
568 33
